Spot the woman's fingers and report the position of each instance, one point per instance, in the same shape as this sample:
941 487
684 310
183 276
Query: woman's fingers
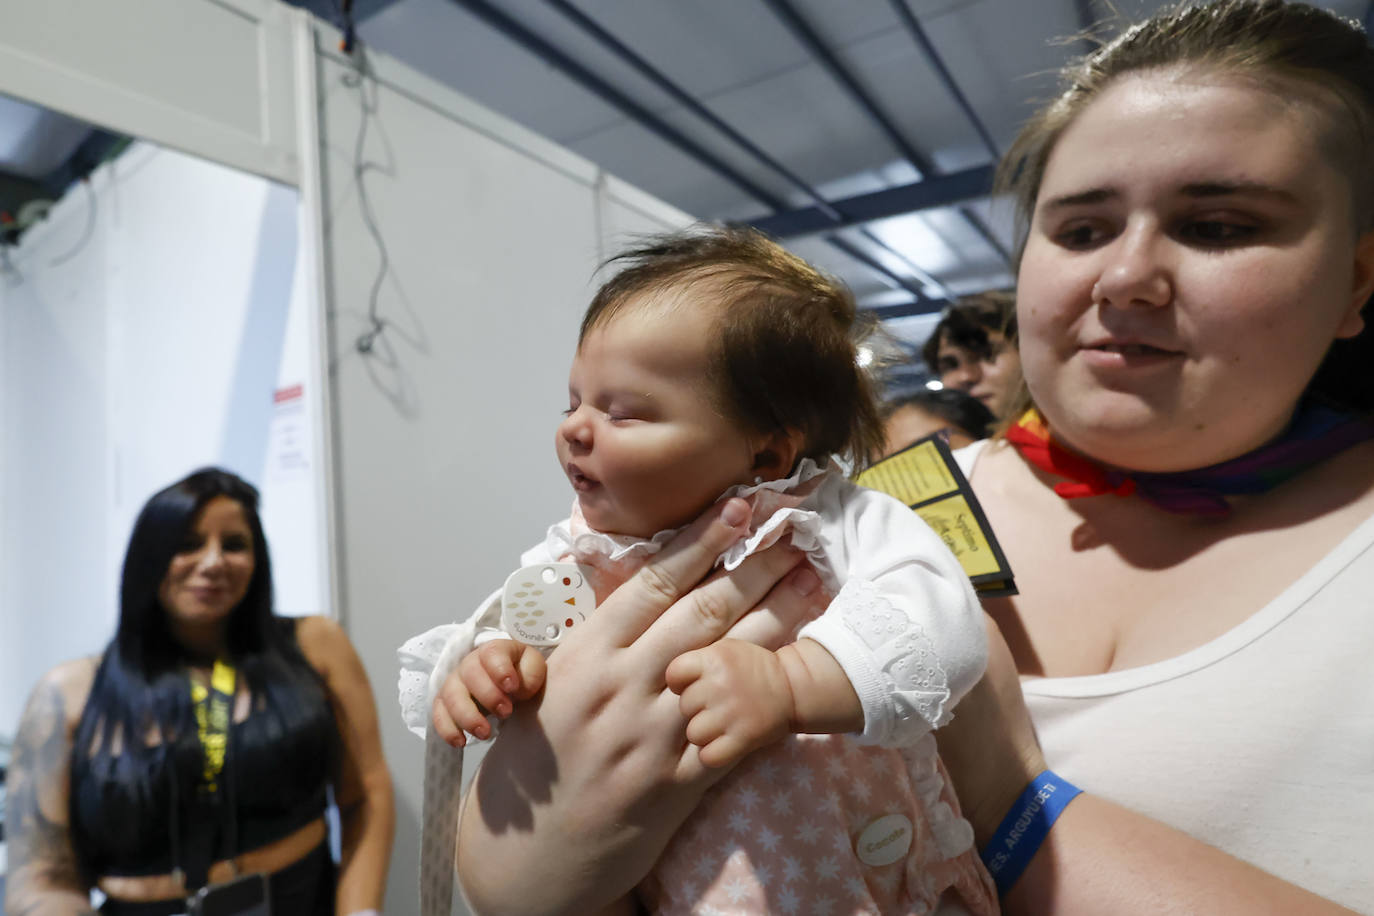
792 602
533 671
673 572
709 611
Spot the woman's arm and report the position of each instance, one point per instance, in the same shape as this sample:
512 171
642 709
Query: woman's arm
367 808
43 878
1098 857
586 784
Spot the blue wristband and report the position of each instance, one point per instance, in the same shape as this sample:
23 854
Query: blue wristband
1025 828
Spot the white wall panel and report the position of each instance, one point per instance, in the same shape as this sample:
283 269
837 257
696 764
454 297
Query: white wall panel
211 77
444 432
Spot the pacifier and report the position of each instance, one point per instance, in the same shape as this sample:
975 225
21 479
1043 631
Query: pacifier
542 602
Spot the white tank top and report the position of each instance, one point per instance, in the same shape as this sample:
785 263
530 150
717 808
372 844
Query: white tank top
1260 742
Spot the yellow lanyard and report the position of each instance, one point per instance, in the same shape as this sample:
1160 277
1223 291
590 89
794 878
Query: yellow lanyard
212 706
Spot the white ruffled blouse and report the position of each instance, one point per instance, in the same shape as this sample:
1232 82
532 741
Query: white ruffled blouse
904 622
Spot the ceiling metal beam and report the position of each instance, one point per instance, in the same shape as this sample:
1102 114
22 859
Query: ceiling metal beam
812 42
655 76
918 34
817 48
940 191
823 206
609 94
552 55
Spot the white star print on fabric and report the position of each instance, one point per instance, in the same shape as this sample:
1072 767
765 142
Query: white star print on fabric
782 803
739 822
788 901
791 869
748 798
836 768
808 833
768 839
828 868
737 889
860 790
767 771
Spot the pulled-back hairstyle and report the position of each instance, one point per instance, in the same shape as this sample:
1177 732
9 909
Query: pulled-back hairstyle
1275 44
785 354
967 324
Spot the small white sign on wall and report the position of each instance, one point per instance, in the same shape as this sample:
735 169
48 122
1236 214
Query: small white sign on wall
288 442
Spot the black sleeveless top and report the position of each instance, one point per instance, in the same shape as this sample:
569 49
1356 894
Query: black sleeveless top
276 771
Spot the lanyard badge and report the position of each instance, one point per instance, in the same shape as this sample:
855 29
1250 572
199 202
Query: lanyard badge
540 603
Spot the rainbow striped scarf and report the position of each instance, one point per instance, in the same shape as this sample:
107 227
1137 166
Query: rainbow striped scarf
1316 433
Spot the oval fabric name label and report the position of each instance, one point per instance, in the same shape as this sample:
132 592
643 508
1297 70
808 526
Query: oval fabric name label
884 841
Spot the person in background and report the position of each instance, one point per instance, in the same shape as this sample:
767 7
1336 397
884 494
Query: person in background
199 745
973 349
961 417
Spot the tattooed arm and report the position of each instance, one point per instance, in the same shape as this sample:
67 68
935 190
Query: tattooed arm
43 877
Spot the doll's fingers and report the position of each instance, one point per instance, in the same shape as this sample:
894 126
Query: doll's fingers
705 727
532 670
459 706
498 659
723 751
695 700
480 686
444 726
685 670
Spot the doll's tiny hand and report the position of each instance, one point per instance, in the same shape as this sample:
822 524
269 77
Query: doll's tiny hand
486 682
736 698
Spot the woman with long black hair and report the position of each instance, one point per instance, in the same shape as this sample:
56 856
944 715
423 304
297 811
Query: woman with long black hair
192 757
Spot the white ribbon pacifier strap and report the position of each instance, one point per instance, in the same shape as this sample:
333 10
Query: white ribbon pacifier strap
442 798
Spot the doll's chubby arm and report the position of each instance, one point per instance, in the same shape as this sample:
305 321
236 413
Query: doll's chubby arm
906 625
739 697
901 643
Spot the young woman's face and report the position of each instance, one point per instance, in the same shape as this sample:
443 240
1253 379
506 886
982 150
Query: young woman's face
990 377
210 574
644 443
1191 258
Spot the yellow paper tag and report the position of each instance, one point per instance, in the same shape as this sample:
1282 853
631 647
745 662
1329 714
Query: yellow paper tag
925 477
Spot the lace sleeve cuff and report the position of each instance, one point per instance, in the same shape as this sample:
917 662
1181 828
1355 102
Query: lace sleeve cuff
418 657
890 661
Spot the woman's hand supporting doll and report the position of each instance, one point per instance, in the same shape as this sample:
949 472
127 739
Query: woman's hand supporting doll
569 764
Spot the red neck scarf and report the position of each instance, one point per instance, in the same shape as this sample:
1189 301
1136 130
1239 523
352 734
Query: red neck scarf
1316 433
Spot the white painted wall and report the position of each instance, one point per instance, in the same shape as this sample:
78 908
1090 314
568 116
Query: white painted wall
444 432
133 353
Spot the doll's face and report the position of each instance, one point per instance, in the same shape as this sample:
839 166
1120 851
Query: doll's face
644 441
